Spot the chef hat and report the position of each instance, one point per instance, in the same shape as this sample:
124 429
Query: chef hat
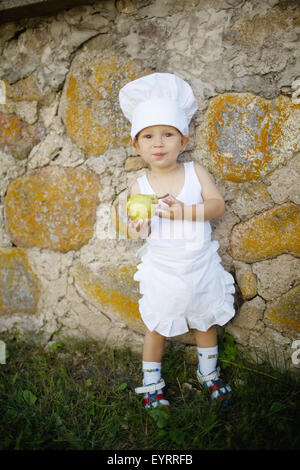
159 98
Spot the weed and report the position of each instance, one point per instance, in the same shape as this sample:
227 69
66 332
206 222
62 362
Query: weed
79 395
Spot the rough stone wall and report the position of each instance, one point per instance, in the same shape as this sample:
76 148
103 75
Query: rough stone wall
66 160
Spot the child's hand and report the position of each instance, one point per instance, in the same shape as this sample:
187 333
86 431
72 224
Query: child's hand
139 228
173 210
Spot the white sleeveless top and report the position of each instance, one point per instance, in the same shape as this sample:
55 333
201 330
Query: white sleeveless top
172 232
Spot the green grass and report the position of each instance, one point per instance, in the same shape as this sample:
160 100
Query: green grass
81 397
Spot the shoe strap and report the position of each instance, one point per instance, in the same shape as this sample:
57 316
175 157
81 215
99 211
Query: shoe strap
150 388
215 375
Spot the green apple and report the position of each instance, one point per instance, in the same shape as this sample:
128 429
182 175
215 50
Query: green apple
141 206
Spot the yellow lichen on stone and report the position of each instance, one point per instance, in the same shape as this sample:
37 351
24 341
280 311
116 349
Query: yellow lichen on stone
91 112
53 208
286 125
244 135
112 290
284 313
11 128
24 90
17 137
247 284
19 286
274 232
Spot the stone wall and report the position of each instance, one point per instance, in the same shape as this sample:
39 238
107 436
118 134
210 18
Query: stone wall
66 160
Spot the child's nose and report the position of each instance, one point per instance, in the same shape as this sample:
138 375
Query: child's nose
157 141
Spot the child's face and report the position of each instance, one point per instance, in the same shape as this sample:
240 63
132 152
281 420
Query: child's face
160 145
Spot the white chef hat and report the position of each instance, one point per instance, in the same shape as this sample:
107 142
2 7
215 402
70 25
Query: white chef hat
158 98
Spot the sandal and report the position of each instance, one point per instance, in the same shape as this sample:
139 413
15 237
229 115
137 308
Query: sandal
151 398
219 389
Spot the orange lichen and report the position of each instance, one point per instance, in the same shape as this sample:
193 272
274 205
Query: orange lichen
52 208
24 90
266 235
19 286
242 131
92 117
11 127
284 312
247 284
285 108
112 290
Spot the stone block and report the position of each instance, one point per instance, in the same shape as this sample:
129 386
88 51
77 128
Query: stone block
275 277
272 346
24 90
89 105
126 6
113 291
250 313
251 199
17 137
283 314
135 164
52 208
240 335
243 137
267 235
283 183
245 279
19 286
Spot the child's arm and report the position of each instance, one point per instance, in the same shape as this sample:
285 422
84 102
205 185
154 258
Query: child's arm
212 207
214 204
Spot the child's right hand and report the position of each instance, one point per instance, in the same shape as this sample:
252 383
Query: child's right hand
139 228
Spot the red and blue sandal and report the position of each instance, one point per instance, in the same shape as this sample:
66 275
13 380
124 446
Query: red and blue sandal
151 398
218 388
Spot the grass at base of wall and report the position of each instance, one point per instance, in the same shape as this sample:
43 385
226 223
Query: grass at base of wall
78 396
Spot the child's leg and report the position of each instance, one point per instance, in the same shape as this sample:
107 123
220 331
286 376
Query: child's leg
207 346
152 354
207 339
207 372
153 384
154 344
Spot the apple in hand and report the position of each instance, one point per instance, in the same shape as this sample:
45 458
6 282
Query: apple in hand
141 206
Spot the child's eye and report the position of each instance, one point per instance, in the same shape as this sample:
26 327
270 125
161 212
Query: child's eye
169 134
147 136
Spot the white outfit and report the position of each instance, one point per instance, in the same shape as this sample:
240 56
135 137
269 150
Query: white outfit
182 281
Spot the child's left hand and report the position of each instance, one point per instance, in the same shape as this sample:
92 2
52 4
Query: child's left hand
173 210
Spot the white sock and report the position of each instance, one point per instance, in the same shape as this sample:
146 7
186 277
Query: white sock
152 372
208 358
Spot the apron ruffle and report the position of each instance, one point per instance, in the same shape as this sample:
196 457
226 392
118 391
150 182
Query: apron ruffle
183 288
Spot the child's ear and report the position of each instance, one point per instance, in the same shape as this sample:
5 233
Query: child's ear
135 144
184 141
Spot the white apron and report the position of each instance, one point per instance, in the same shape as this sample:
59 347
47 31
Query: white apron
182 281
